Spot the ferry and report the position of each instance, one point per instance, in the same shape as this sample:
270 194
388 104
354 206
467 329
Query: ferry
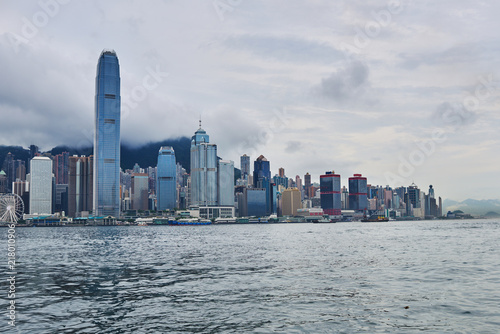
374 219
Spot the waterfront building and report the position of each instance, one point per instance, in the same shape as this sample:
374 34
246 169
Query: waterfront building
290 202
307 186
139 192
41 185
330 193
245 166
358 193
226 183
80 185
166 179
203 190
262 180
255 202
414 195
107 137
61 165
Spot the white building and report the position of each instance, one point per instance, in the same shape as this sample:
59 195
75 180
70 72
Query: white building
41 186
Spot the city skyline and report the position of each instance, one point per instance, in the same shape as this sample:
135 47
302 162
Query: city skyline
406 94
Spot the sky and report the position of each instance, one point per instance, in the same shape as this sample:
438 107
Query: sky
399 91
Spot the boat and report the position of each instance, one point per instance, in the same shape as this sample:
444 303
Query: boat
374 219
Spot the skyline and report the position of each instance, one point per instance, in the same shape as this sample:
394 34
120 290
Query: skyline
311 88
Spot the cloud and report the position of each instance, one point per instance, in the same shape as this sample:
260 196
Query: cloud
346 83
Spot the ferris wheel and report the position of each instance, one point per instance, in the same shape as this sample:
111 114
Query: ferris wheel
11 208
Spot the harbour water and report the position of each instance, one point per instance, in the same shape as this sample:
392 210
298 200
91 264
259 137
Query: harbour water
388 277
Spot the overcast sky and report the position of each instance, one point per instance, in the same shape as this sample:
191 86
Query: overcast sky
401 92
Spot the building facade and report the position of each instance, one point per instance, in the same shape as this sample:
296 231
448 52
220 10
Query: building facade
358 196
203 190
226 183
80 185
290 202
331 202
166 179
107 137
245 166
41 185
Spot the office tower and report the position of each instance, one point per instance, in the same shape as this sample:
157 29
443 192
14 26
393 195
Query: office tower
358 193
255 200
203 190
281 172
413 196
261 171
330 193
80 185
33 151
41 186
290 202
139 196
298 183
136 169
61 164
61 198
21 188
3 182
245 166
226 183
440 207
307 186
20 171
344 198
262 180
107 136
166 179
152 179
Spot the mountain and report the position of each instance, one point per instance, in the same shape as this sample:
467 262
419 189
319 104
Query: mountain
145 155
473 206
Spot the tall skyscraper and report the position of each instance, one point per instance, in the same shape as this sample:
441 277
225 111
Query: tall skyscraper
290 202
107 136
281 172
226 183
61 164
245 166
203 190
139 196
262 180
166 179
307 186
41 185
331 201
358 199
80 185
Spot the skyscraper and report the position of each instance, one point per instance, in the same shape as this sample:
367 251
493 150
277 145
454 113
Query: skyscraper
80 185
139 196
358 199
107 136
41 185
203 170
262 180
226 183
61 163
307 185
166 179
331 202
245 166
290 202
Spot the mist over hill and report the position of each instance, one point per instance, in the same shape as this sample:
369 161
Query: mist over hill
145 155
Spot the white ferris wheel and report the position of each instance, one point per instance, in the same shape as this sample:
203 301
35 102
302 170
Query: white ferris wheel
11 208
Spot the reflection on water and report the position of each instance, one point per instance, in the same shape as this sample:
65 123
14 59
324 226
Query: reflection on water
383 277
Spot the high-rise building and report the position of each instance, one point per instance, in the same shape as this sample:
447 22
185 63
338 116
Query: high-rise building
107 136
61 164
203 190
414 196
226 183
3 182
331 202
262 180
80 185
358 199
245 166
281 172
307 186
290 202
139 196
41 185
166 179
298 183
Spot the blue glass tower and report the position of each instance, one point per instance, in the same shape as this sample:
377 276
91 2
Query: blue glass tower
107 136
204 172
166 185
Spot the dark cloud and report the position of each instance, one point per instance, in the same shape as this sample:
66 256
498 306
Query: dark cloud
453 115
345 83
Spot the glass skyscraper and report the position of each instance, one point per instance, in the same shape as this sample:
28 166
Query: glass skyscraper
41 185
203 170
166 185
107 136
331 202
